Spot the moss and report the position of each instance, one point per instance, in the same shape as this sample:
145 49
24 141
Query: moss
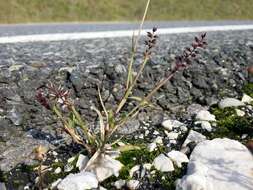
230 125
131 158
248 89
167 180
135 157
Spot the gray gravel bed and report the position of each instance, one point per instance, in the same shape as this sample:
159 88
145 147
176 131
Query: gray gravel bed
220 71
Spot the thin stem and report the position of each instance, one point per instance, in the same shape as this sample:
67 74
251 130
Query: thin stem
160 84
136 109
40 176
129 90
71 132
130 66
83 125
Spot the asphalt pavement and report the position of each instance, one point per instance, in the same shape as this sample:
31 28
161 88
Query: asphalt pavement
52 28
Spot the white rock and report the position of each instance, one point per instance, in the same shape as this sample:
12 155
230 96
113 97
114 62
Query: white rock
178 158
57 170
173 142
69 69
68 167
104 167
79 181
102 188
147 166
219 164
2 186
172 124
54 184
230 102
240 112
183 128
151 147
133 170
158 140
119 184
70 160
204 125
193 136
172 135
141 136
81 162
246 99
133 184
204 115
163 163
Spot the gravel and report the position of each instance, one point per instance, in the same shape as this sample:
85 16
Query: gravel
80 65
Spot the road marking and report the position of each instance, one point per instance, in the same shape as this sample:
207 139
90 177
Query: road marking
115 34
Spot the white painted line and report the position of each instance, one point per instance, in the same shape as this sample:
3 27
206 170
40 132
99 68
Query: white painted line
114 34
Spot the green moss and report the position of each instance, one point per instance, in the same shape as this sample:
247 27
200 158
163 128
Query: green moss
248 89
230 125
167 180
135 157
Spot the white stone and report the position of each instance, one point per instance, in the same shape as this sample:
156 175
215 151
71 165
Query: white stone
104 167
2 186
246 99
230 102
69 69
133 170
172 135
70 160
163 163
193 136
219 164
147 166
102 188
57 170
141 136
55 183
183 128
204 115
173 142
158 140
133 184
204 125
172 124
81 162
240 112
151 147
119 184
79 181
178 157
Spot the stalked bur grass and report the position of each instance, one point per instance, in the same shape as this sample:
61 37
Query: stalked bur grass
40 154
58 101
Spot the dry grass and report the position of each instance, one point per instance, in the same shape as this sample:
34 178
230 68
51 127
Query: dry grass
16 11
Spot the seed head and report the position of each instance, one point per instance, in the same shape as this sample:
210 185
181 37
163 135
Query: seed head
191 52
40 152
150 42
